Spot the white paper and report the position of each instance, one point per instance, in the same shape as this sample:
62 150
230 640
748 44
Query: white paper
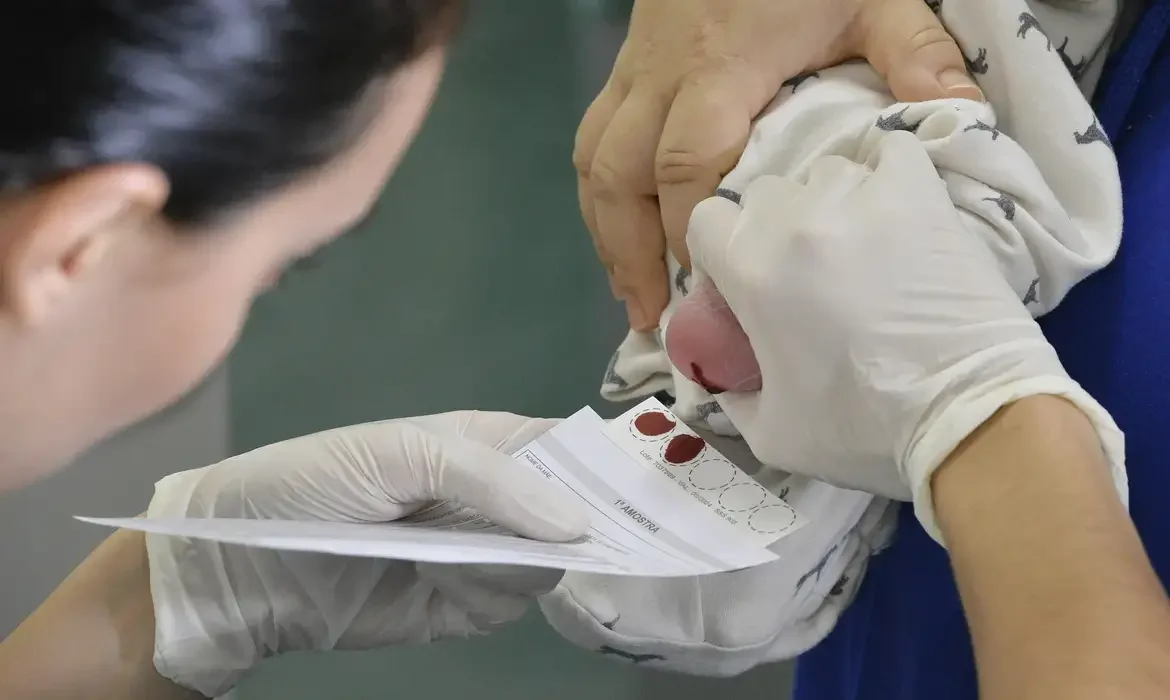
650 516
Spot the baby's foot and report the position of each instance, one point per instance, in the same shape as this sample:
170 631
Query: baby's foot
706 343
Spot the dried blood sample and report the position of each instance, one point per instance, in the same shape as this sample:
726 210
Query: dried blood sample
653 424
683 448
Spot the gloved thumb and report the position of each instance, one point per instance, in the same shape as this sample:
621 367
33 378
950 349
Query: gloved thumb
489 594
501 488
905 42
736 244
709 236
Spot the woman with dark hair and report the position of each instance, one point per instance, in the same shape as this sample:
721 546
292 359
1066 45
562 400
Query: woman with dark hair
161 163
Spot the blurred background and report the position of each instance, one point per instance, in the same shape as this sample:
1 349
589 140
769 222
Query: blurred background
474 285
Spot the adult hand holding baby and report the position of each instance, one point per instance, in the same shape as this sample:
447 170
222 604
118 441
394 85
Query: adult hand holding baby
690 78
885 333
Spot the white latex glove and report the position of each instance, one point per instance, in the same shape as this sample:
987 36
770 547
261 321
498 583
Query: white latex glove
222 608
884 331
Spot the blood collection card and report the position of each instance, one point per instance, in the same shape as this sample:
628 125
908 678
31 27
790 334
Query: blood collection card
662 502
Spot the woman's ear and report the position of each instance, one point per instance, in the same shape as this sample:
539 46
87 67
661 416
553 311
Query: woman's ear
59 234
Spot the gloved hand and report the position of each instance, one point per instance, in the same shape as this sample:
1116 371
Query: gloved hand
884 331
222 608
674 116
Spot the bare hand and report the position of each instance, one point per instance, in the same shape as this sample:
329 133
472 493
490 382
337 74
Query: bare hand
690 78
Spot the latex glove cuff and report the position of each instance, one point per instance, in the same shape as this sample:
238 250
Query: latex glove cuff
963 416
214 660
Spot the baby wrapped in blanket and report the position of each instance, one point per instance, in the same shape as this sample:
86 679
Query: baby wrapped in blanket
1030 173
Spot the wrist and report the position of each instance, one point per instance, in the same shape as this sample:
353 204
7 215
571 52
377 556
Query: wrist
1051 571
1033 397
93 637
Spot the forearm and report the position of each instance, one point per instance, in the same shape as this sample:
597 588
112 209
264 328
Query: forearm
1051 571
93 639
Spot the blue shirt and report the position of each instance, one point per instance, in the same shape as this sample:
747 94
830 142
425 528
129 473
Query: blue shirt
904 637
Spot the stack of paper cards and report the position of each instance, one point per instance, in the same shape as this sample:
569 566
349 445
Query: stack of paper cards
662 502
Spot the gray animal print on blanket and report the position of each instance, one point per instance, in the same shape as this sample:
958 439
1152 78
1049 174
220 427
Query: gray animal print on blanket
1005 203
612 378
896 122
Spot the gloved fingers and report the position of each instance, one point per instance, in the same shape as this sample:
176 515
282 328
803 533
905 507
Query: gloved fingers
833 179
901 155
741 250
506 432
810 225
489 595
741 408
529 581
901 166
384 471
735 249
398 609
499 487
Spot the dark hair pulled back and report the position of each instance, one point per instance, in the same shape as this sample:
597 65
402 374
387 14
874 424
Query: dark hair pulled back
230 98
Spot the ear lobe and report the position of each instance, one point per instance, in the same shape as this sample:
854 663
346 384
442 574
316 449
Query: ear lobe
64 232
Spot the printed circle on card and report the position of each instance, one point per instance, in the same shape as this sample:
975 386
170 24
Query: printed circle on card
652 425
713 473
772 519
742 496
683 449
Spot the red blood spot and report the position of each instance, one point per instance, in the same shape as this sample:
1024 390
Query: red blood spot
683 448
653 424
697 375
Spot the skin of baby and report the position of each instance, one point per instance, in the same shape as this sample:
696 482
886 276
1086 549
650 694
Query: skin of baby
706 343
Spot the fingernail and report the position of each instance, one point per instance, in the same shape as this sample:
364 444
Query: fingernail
637 315
958 84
